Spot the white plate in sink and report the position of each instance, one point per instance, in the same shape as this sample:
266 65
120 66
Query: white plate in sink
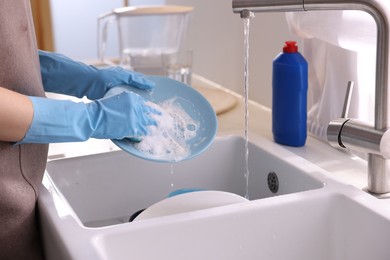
191 201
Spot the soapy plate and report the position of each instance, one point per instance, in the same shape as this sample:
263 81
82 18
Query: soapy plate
190 100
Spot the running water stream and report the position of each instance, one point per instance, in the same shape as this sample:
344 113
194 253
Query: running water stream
172 178
246 95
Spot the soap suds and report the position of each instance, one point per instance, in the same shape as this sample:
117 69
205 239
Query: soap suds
168 139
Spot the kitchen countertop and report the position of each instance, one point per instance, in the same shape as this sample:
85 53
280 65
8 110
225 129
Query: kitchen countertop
344 167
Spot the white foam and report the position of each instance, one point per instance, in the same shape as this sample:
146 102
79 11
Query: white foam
168 140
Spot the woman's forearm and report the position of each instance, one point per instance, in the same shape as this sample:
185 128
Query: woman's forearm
16 114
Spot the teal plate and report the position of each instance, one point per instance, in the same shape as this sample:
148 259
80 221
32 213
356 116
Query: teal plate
192 102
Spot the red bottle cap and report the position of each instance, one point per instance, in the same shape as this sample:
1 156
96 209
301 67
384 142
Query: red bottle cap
290 47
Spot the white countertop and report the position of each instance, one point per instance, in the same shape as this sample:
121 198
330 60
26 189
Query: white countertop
345 168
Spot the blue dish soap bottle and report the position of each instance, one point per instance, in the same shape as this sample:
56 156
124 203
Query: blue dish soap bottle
289 96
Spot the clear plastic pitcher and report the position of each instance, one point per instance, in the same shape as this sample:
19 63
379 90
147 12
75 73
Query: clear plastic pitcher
144 33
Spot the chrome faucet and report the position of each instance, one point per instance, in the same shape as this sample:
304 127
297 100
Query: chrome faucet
348 133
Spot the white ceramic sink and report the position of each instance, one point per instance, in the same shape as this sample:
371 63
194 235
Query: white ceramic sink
311 226
86 202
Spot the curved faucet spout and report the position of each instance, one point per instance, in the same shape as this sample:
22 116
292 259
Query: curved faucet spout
378 166
268 6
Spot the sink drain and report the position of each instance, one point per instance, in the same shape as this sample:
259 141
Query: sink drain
273 182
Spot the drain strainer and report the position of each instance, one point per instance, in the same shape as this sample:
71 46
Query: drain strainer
273 182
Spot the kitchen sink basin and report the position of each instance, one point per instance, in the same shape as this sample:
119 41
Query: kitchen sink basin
294 210
105 189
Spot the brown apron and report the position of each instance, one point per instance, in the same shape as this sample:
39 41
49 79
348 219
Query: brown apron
21 166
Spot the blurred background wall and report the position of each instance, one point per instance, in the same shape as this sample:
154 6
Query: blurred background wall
215 34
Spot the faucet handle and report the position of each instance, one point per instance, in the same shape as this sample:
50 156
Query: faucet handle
347 99
348 133
345 133
335 126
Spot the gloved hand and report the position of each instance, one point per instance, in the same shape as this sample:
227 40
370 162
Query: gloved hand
115 117
63 75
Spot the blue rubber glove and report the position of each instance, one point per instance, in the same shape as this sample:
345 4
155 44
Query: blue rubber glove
63 75
115 117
